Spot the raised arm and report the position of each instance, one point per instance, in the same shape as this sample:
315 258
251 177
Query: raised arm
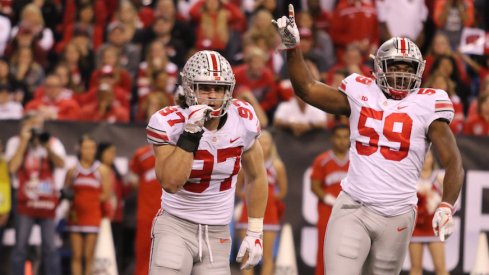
318 94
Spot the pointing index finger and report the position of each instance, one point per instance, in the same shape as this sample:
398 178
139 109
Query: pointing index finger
291 11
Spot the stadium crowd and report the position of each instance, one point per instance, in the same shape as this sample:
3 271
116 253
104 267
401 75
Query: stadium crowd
118 61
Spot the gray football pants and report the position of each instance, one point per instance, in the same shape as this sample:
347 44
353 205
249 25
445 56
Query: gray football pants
181 247
361 241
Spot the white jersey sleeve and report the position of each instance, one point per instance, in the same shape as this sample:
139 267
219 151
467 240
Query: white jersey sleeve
250 122
166 125
442 107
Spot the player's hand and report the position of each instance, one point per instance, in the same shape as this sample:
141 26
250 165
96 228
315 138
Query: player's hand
329 199
198 115
288 31
443 221
253 245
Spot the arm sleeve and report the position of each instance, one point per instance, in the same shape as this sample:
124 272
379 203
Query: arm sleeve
158 129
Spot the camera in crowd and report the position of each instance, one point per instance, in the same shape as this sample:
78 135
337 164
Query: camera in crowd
41 135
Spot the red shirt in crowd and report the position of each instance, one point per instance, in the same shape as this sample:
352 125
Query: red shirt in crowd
477 126
64 108
116 113
263 87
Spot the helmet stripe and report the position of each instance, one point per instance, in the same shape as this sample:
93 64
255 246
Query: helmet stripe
403 45
214 64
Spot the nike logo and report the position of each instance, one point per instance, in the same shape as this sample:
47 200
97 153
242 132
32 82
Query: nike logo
233 140
401 107
399 229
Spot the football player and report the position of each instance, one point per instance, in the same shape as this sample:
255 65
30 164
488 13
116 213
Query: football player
392 123
199 148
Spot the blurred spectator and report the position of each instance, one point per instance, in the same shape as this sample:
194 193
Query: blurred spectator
215 21
142 176
18 88
105 107
446 65
323 44
106 154
128 54
253 76
83 26
298 117
451 16
32 30
351 62
5 195
80 65
481 69
33 156
110 59
157 98
56 102
271 6
174 31
62 71
429 188
328 169
264 36
107 80
439 81
5 26
308 40
478 125
440 46
156 60
72 7
89 182
6 7
404 18
9 108
483 89
260 27
355 21
335 120
127 15
25 69
277 190
320 14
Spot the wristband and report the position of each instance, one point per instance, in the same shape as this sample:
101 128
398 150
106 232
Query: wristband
447 205
189 141
255 224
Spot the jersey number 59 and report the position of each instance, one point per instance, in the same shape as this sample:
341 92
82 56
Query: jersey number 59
402 134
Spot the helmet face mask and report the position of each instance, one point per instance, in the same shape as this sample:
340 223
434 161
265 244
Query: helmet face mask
398 67
208 69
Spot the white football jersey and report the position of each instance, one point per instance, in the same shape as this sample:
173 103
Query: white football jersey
208 195
389 142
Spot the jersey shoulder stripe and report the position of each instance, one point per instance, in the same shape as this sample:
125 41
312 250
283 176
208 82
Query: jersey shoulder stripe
156 136
443 105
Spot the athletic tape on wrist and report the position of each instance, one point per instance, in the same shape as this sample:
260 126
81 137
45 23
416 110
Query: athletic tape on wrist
255 224
189 141
447 205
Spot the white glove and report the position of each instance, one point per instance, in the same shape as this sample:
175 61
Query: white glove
288 31
253 244
198 115
329 199
443 221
